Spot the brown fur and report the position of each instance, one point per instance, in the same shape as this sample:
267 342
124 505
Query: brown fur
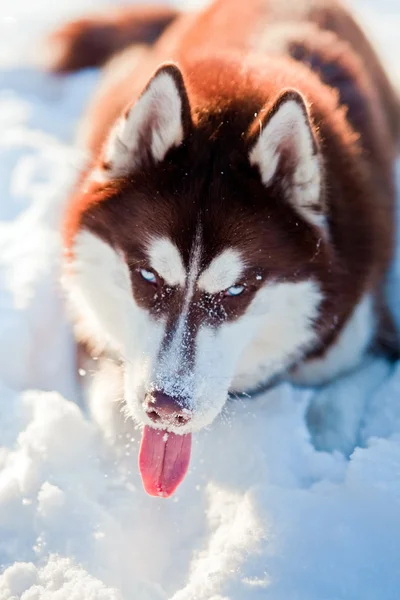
90 41
237 58
245 27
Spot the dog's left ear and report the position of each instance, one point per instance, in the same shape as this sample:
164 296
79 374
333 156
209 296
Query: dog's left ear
284 148
158 121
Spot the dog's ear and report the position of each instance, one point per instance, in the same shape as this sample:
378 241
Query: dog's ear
159 120
284 148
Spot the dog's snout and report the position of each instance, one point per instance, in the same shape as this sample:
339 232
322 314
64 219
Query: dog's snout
164 409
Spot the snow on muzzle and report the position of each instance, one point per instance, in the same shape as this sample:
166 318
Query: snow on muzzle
164 454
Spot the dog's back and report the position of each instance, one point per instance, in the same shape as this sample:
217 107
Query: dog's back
320 33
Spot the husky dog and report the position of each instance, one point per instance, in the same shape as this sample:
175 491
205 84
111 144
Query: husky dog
235 221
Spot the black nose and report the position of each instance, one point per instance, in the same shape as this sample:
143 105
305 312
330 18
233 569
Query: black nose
161 409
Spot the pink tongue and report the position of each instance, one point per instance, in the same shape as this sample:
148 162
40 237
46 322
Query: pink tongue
163 460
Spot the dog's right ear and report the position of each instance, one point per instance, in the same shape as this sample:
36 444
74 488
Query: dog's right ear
158 121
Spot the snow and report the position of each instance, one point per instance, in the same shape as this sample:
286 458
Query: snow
294 495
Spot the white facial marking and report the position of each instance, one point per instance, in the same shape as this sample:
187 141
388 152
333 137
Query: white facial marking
174 375
99 287
194 267
289 129
348 350
223 272
284 314
157 116
166 260
276 328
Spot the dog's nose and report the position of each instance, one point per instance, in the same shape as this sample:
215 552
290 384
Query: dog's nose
161 408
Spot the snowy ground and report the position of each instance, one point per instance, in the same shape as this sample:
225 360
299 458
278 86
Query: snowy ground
262 514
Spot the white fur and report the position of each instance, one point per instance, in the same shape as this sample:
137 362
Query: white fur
99 288
166 260
237 354
348 351
223 272
159 110
284 314
289 127
173 373
223 360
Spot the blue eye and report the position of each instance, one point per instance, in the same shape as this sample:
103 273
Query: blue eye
235 290
148 275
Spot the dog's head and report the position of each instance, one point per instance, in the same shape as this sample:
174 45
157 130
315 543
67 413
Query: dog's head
195 250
